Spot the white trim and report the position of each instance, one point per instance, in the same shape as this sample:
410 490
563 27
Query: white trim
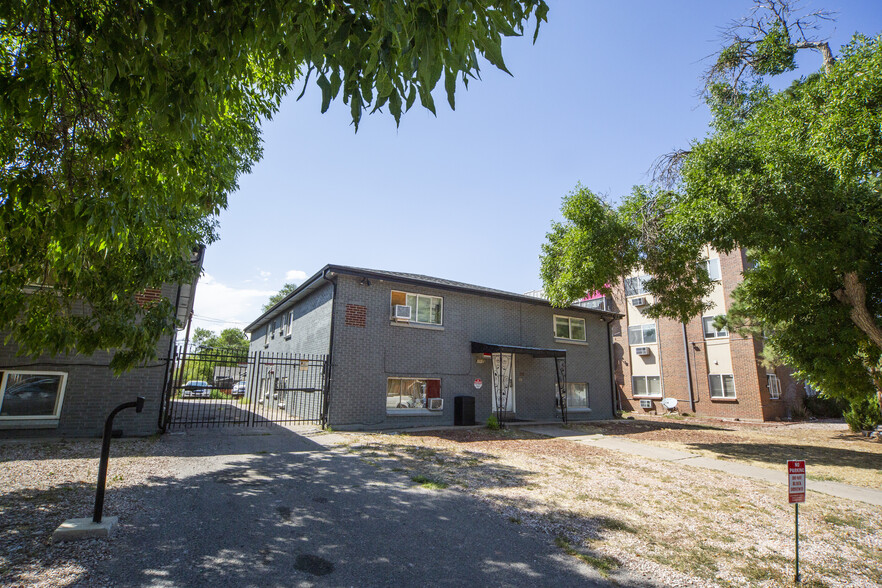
642 328
59 400
570 320
661 389
722 387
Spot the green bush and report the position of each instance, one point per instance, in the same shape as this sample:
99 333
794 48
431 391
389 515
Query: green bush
493 423
863 414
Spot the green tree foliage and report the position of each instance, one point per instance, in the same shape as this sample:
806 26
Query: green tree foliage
208 350
278 296
124 126
792 177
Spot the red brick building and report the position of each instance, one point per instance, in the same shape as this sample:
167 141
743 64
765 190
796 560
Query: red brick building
709 372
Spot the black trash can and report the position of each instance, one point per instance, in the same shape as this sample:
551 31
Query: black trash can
463 410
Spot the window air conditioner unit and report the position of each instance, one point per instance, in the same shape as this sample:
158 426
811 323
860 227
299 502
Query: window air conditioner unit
646 404
402 312
435 403
639 301
642 351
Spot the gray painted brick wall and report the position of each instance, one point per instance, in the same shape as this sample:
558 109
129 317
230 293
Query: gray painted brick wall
92 391
364 357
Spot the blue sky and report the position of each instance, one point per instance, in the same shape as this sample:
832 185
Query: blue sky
470 194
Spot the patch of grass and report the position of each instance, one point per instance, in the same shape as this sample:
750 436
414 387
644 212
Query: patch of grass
244 400
429 483
824 478
616 525
843 520
514 520
603 563
758 573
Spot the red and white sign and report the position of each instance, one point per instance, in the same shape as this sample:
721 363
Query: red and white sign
478 383
796 478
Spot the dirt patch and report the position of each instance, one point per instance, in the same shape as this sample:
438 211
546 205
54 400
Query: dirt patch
623 514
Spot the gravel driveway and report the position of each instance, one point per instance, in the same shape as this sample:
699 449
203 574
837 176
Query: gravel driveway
258 507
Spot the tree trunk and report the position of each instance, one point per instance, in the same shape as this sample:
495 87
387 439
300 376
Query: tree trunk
824 48
854 294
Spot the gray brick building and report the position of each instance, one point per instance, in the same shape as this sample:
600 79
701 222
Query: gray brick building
71 395
403 346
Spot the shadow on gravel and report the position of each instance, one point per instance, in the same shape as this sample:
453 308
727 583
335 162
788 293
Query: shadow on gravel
777 453
288 515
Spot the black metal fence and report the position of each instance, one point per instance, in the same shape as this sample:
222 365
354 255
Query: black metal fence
219 387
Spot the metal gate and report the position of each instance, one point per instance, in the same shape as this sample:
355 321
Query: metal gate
218 388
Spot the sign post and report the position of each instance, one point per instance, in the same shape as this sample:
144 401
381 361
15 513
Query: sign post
796 494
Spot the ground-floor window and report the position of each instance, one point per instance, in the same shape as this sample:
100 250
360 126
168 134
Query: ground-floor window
722 385
774 386
577 396
409 393
647 385
31 395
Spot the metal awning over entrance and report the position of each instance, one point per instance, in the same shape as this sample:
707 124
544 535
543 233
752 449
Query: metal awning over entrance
532 351
502 380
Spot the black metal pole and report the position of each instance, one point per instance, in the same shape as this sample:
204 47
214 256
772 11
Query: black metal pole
138 405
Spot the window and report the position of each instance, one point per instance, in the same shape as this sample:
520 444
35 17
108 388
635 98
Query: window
31 395
273 328
598 303
712 267
710 331
577 396
642 334
423 309
774 386
409 393
566 327
722 385
637 285
287 323
646 386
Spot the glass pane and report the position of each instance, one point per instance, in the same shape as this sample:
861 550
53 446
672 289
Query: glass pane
729 386
713 268
709 331
639 385
577 396
412 303
424 309
393 393
436 311
630 286
562 327
577 329
635 335
716 386
30 395
649 333
653 385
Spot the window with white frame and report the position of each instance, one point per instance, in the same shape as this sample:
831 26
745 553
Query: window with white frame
646 386
577 396
722 385
642 334
774 386
410 393
566 327
637 285
710 331
28 395
712 267
286 328
274 328
423 309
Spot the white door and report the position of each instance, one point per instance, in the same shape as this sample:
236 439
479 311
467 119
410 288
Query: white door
504 376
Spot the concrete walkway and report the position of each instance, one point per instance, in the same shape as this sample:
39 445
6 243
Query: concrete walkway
847 491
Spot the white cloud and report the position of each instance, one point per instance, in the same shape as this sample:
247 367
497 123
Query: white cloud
220 307
295 276
264 274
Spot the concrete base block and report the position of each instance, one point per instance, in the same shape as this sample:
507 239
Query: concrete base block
75 529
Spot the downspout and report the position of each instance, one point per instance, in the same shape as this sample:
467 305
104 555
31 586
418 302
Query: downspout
328 378
688 370
616 404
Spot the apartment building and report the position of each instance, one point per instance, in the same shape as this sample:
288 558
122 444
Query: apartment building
710 372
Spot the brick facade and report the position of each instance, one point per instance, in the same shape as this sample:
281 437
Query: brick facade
369 348
699 357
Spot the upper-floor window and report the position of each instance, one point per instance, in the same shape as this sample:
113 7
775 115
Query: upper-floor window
774 386
286 323
637 285
423 309
710 331
712 267
31 395
566 327
642 334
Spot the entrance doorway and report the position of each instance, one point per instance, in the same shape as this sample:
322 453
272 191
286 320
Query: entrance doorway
504 382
